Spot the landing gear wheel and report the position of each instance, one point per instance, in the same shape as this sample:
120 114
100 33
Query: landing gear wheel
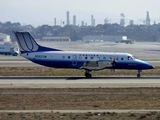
138 75
87 74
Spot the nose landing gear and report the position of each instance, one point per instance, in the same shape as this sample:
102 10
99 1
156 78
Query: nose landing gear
139 75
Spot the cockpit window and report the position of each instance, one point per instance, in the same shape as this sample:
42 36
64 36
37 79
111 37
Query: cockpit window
130 58
134 57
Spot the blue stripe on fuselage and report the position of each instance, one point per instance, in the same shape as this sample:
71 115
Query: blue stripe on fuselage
132 65
59 63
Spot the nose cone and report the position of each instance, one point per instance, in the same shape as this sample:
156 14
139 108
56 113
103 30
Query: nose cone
148 66
151 67
144 65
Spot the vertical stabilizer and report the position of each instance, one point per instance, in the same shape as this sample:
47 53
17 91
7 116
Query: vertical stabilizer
27 43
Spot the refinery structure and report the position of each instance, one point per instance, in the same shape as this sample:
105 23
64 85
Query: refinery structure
9 48
72 20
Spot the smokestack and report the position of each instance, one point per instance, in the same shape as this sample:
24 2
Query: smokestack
54 21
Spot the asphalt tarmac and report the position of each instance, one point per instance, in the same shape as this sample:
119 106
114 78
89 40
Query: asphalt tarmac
78 82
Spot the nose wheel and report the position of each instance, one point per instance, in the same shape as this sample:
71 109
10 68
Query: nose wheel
87 74
139 75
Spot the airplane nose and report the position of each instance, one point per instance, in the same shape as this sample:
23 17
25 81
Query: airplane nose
147 66
152 67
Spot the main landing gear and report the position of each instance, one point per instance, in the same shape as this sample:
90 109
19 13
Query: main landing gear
87 74
139 75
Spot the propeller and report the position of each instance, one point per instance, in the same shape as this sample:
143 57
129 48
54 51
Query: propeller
114 63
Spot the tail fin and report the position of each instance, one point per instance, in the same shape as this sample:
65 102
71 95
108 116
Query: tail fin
27 43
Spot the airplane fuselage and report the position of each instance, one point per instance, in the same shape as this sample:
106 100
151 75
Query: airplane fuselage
86 60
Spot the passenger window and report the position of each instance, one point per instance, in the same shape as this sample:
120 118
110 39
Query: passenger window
91 57
85 57
121 58
63 57
69 57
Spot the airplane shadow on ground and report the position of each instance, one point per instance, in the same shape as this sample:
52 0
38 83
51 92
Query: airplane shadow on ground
114 78
76 78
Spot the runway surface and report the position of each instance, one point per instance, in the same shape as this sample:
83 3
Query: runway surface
79 111
78 82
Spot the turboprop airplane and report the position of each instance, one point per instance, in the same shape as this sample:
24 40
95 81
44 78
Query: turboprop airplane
89 61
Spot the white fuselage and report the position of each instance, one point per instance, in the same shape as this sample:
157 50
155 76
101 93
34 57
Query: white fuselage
95 60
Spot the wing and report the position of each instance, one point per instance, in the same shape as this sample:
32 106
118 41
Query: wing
97 65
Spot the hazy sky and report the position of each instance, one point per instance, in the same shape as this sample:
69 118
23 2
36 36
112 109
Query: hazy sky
38 12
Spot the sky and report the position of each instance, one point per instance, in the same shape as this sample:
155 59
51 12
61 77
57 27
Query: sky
38 12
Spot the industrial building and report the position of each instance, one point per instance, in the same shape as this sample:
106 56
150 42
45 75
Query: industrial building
104 38
4 38
56 39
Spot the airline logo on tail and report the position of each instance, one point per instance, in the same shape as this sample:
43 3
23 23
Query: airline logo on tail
28 44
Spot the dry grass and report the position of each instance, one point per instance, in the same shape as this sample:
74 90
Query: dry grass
63 101
45 71
80 101
80 116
